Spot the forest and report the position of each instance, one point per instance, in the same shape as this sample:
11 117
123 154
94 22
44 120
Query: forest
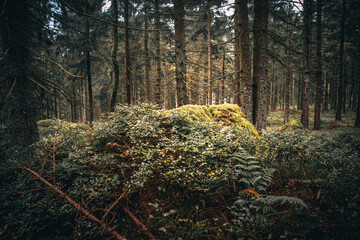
179 119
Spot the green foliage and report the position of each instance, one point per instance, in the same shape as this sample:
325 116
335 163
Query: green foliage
185 176
292 125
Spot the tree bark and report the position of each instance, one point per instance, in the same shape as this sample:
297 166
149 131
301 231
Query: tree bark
147 65
287 81
88 68
237 50
210 90
222 83
306 66
115 62
17 99
157 85
339 102
260 83
127 53
180 55
245 60
318 80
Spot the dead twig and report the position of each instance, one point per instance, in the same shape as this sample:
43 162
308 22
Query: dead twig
86 213
138 223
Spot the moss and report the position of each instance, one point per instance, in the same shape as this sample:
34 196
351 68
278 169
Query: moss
228 114
292 125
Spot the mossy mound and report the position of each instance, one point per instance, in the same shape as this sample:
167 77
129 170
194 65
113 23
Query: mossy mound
228 114
292 125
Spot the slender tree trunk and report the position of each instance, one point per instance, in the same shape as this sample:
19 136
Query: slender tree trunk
180 55
318 82
341 63
260 81
147 64
127 54
115 62
222 83
245 60
306 67
210 90
157 85
287 81
326 95
357 121
237 53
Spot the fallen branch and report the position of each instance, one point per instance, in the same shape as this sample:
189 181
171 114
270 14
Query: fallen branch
138 223
78 207
113 205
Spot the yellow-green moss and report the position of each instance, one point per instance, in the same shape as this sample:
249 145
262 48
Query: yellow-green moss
228 114
292 125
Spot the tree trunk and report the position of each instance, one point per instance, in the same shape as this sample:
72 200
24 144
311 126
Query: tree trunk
326 97
127 53
222 83
210 90
318 82
306 66
237 53
157 85
115 62
245 60
17 100
287 81
181 92
341 63
147 65
357 121
260 83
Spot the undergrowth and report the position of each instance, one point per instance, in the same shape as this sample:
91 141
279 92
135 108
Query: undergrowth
183 177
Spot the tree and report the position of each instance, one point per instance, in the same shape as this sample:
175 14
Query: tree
88 66
180 67
127 53
210 88
306 66
17 102
237 53
260 82
318 81
115 62
340 89
245 61
157 85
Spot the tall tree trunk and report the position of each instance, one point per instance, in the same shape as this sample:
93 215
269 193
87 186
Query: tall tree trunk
260 81
357 121
88 67
222 83
245 60
147 65
318 82
157 85
287 81
306 66
115 62
210 88
237 53
17 99
341 63
180 55
326 90
127 54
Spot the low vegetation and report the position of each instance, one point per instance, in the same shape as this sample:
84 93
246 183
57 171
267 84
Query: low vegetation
197 172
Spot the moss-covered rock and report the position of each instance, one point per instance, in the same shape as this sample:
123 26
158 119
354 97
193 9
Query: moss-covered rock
228 114
292 125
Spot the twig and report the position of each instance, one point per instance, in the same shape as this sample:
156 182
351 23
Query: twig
113 205
138 223
87 214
